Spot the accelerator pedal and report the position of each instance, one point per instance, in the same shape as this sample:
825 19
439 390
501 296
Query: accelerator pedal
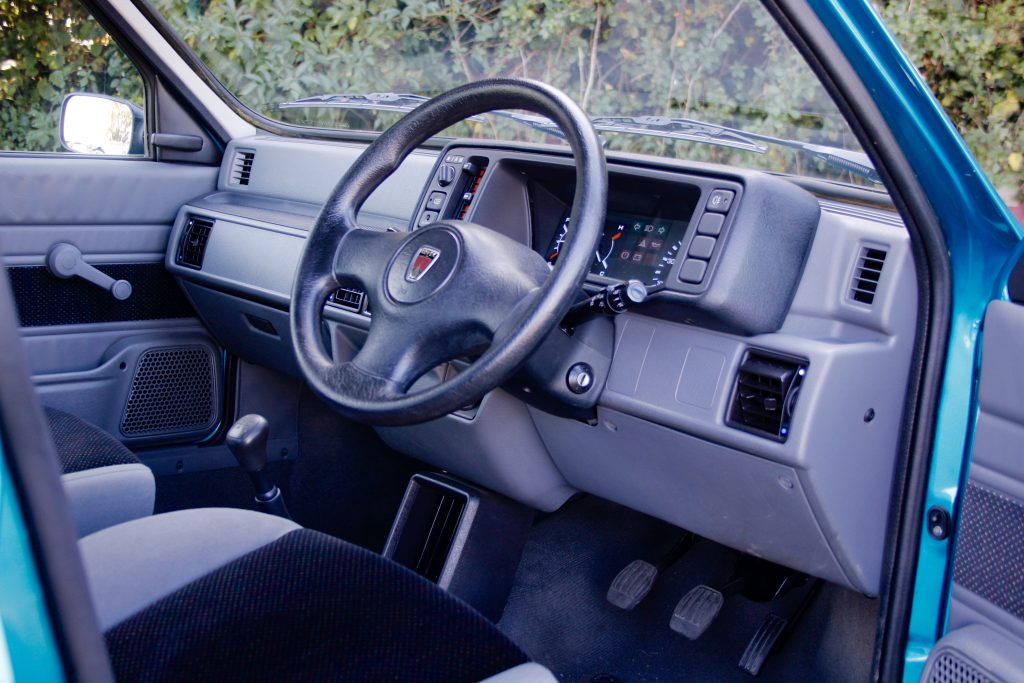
696 611
763 643
632 584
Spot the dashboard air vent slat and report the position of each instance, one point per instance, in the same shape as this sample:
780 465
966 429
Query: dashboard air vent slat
348 298
867 274
241 167
765 394
192 248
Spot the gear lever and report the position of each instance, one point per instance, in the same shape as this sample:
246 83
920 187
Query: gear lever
247 440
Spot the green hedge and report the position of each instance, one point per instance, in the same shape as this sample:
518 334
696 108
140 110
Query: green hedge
46 51
267 51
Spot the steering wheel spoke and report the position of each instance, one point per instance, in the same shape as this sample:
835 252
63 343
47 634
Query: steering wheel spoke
362 256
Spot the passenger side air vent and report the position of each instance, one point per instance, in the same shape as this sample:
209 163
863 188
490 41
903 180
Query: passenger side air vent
867 274
348 298
194 237
765 392
241 167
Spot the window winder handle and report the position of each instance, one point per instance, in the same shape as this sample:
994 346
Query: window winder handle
65 261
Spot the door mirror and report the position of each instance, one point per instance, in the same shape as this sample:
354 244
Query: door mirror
99 124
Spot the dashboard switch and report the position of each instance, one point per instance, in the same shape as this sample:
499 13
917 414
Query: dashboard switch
693 270
720 201
702 246
436 200
428 217
446 175
711 224
580 378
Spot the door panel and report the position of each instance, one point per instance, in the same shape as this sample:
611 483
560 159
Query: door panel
144 369
986 617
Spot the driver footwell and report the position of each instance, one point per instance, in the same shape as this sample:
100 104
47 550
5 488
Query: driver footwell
558 612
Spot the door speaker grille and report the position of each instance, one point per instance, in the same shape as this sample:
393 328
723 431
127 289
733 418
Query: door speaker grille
173 392
948 667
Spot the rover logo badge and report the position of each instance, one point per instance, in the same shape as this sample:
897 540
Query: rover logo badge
424 260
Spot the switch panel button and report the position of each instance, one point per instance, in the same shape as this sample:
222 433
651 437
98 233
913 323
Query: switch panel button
436 200
702 246
711 224
720 201
693 270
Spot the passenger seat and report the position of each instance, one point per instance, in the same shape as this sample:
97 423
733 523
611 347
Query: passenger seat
106 483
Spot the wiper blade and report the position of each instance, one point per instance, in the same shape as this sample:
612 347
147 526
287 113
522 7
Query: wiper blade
693 130
679 129
406 102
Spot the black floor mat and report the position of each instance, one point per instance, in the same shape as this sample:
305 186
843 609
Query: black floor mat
557 611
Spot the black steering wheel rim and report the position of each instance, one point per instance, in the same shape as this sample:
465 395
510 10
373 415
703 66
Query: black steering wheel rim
366 389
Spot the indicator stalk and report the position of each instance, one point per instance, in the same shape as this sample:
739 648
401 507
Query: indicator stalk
610 301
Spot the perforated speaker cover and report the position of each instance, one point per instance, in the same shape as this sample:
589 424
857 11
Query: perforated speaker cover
948 667
173 392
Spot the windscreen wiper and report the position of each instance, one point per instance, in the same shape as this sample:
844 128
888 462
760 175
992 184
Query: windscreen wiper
693 130
406 102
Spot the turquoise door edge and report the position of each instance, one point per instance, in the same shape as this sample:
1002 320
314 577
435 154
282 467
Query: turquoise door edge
27 634
981 234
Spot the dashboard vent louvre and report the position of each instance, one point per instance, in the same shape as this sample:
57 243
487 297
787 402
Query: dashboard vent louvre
194 237
348 298
866 275
765 393
241 167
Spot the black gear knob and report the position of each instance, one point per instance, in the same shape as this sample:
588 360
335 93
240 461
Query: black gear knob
247 440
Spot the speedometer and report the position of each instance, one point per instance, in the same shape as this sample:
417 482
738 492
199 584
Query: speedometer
631 248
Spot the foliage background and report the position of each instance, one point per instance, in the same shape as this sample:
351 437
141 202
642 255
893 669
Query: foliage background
699 58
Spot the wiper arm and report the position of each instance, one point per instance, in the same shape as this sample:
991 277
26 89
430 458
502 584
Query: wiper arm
679 129
693 130
406 102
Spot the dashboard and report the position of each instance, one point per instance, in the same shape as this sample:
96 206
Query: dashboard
755 398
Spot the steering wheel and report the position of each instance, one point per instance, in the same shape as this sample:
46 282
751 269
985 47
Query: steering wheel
449 289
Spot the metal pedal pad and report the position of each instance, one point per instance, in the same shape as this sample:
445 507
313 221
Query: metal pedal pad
632 584
695 612
762 644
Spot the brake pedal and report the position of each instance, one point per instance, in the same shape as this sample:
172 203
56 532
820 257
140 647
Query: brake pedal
632 584
762 644
696 611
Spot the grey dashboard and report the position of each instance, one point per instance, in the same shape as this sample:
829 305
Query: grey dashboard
803 305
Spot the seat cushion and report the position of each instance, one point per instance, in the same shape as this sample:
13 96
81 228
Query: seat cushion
132 565
305 606
105 483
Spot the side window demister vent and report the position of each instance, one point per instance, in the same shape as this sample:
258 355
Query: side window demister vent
866 275
241 167
194 237
764 394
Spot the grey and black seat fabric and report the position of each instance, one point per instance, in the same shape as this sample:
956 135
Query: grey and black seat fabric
106 483
221 594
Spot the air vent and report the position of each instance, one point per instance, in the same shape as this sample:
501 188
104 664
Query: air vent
194 237
349 299
867 274
765 392
241 167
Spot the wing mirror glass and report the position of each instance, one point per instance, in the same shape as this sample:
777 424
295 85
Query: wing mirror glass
99 124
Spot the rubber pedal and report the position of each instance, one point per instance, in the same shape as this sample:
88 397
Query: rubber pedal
696 611
762 644
632 584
